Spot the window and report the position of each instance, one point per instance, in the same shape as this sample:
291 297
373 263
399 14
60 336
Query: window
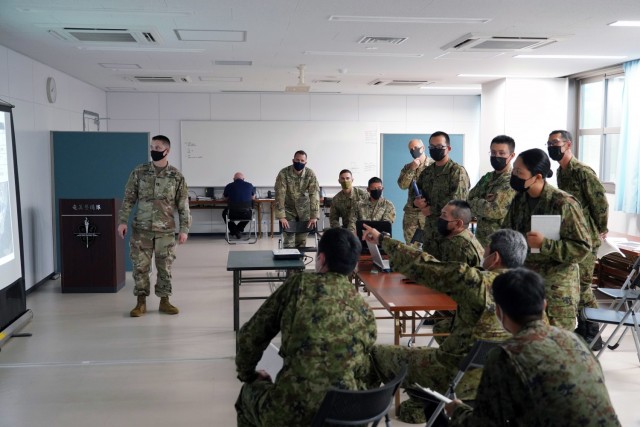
599 123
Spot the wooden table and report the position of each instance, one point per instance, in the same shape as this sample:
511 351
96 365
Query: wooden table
221 204
404 300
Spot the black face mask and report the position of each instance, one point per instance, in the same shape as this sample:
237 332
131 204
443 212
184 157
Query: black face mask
498 163
555 153
518 184
375 194
298 166
437 154
416 152
442 227
156 156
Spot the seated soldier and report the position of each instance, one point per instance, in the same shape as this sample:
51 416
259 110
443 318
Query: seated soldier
373 208
459 244
541 376
475 319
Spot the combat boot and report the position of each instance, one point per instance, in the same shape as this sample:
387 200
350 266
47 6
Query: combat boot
592 329
141 308
166 307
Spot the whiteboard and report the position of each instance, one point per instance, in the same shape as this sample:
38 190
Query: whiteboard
212 151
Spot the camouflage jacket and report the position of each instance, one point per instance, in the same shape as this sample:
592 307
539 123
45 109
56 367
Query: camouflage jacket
581 182
543 376
406 177
463 247
342 206
381 210
297 196
327 332
490 214
469 287
157 194
440 184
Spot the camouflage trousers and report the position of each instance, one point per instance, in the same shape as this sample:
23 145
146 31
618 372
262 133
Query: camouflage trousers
587 265
145 245
251 401
411 221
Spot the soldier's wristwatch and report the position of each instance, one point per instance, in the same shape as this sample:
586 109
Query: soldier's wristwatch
382 236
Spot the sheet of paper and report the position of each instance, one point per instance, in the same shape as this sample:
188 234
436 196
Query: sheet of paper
433 393
548 225
608 246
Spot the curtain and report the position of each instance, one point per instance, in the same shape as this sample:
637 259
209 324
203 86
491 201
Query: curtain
628 185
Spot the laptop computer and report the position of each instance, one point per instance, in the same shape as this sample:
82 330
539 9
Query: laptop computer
383 264
287 254
381 226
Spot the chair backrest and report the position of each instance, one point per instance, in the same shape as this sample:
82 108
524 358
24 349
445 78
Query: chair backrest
477 355
298 227
357 407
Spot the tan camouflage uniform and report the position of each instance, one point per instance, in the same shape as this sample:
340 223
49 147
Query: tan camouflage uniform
543 376
413 218
490 214
327 333
558 260
297 199
378 210
439 185
475 319
581 182
157 191
342 206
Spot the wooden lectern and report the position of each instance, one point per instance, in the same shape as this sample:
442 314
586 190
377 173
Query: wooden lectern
92 254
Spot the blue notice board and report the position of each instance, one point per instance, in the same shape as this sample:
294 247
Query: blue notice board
395 154
95 165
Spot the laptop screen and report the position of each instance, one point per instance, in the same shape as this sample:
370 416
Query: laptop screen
381 226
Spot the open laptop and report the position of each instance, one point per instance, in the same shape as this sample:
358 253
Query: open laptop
381 226
382 264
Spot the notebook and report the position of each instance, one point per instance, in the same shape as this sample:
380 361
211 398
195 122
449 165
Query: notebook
383 264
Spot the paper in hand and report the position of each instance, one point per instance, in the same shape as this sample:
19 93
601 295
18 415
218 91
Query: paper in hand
548 225
433 393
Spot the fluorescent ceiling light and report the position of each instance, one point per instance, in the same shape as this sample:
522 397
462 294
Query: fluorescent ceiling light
233 62
140 49
116 66
109 10
468 87
220 79
625 24
120 89
211 35
370 54
501 76
569 57
408 19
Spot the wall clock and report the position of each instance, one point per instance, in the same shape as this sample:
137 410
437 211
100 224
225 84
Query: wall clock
52 91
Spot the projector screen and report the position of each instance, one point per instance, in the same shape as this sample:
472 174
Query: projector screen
10 262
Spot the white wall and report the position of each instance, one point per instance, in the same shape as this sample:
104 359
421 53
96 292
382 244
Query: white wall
23 84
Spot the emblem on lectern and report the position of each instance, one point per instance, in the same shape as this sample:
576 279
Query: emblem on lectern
87 232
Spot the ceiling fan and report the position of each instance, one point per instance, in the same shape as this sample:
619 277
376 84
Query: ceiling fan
300 87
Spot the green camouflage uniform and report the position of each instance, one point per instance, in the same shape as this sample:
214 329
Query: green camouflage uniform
581 182
463 247
379 210
558 260
297 199
327 332
490 214
439 185
342 205
543 376
413 218
157 192
475 319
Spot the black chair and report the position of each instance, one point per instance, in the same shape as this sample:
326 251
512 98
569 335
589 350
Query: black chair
301 227
237 212
358 407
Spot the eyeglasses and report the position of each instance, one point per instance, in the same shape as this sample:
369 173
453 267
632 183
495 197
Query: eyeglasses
437 147
556 143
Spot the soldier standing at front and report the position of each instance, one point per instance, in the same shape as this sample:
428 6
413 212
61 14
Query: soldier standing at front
581 182
412 219
297 198
157 188
440 182
346 201
492 195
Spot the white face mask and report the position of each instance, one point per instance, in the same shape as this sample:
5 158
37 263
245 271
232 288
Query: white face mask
319 264
485 264
500 317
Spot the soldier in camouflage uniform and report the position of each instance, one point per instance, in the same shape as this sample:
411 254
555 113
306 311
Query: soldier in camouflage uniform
557 260
459 244
327 332
475 318
343 203
440 182
413 218
581 182
492 195
374 208
542 376
158 189
297 198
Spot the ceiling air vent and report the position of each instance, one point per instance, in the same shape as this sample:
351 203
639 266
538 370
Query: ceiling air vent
161 79
477 43
106 35
382 40
390 82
